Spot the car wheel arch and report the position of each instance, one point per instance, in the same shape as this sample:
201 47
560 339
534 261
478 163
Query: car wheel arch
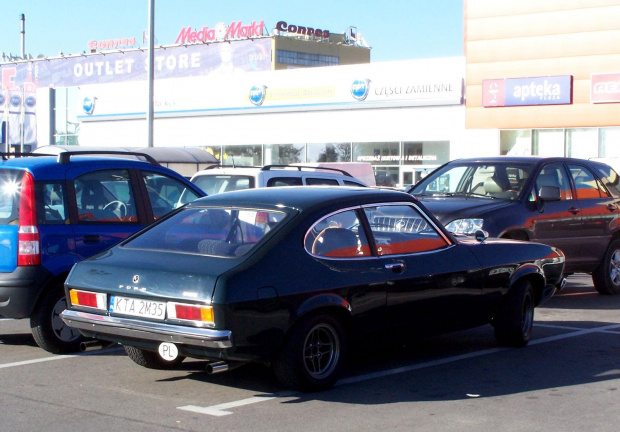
330 304
534 275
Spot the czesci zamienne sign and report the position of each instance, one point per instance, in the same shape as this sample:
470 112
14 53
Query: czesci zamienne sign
506 92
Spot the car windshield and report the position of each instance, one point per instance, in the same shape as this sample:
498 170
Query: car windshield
221 231
502 180
215 184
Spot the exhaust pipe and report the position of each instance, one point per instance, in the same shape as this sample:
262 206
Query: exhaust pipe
217 367
222 366
94 345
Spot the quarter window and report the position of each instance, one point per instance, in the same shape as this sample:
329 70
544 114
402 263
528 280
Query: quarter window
166 193
338 235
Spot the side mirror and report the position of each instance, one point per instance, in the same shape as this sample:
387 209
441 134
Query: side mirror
481 235
549 193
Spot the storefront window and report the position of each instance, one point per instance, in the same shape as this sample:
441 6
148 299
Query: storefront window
580 143
332 152
426 153
608 144
386 176
250 155
386 153
548 142
66 110
516 142
284 154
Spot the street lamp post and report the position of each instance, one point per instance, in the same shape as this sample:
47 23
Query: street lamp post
151 74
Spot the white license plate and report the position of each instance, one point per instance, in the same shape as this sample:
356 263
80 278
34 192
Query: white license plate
137 307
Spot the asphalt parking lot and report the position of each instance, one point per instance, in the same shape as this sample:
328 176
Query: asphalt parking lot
567 378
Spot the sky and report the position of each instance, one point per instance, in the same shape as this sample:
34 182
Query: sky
394 29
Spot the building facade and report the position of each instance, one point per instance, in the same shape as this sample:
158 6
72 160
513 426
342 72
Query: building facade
545 75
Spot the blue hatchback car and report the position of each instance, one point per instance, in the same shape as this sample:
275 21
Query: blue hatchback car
58 210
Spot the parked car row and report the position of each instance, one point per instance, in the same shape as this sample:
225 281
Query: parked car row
291 277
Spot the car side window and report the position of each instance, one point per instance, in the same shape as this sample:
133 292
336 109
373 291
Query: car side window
284 181
105 196
554 175
166 193
401 229
338 235
54 204
310 181
610 178
586 185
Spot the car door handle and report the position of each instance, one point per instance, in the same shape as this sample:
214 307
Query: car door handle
92 239
574 210
396 267
612 207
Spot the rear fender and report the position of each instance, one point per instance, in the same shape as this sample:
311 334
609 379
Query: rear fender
321 302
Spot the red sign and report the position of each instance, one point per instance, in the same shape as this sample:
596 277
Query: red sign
605 88
493 93
220 32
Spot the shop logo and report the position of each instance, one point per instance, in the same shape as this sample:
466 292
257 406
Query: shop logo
257 94
551 90
16 100
360 88
89 105
605 88
30 102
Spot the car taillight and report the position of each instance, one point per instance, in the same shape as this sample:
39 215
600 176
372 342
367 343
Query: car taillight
189 312
261 218
29 244
88 299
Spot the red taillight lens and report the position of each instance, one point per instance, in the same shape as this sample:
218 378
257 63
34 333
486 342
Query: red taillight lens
88 299
261 218
29 248
190 312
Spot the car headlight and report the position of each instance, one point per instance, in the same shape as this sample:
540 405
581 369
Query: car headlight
465 226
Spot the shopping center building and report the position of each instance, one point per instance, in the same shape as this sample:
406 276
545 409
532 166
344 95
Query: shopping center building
536 78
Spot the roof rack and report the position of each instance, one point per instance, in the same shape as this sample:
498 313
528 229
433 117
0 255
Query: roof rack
302 167
65 157
7 156
230 166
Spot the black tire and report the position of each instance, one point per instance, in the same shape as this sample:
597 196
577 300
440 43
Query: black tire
313 355
151 360
606 277
513 325
49 331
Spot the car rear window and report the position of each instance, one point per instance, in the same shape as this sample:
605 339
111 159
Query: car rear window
10 183
225 232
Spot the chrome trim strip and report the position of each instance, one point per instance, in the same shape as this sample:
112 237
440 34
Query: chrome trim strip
148 330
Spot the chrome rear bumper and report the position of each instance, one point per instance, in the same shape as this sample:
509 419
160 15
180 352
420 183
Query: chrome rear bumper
103 325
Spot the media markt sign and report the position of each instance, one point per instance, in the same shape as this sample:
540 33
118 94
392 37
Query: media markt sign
551 90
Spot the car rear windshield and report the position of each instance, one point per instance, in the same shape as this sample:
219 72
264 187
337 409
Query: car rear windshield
218 183
10 184
502 180
225 232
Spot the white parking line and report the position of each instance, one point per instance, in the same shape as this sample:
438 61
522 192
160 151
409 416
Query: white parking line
27 362
59 357
221 409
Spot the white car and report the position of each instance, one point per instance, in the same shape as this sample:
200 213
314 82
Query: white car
217 179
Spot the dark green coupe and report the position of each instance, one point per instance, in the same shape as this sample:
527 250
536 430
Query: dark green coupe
290 277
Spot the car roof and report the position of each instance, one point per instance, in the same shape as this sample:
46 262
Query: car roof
42 165
303 198
517 159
